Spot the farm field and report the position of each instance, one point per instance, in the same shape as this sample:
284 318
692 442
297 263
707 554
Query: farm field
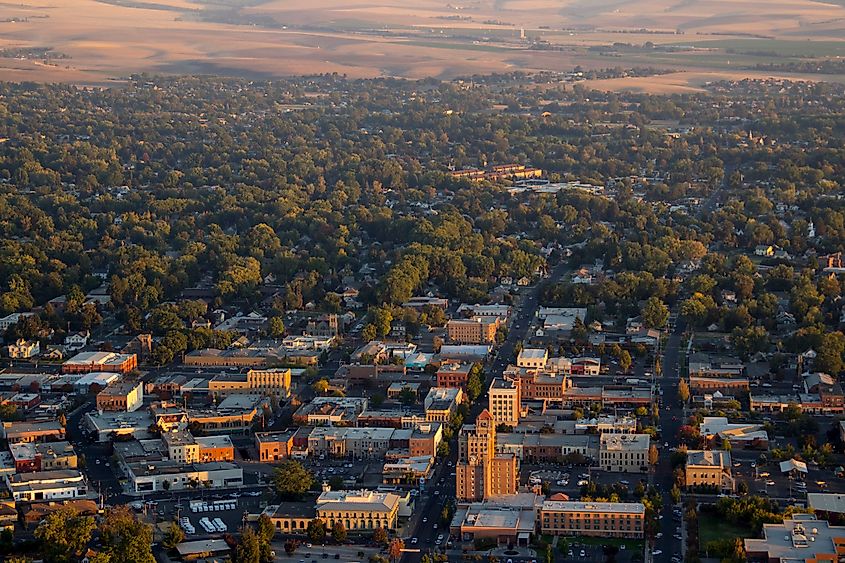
103 41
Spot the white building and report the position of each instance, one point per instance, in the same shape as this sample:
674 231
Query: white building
24 349
77 340
150 477
532 358
12 319
47 485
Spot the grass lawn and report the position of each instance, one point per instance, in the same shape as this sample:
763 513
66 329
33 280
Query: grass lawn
711 529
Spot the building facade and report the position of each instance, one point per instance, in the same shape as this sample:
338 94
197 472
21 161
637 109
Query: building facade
504 401
596 519
359 510
123 396
478 330
711 468
624 453
480 472
274 446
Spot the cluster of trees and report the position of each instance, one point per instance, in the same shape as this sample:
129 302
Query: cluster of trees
65 534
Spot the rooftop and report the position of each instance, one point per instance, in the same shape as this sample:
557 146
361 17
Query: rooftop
708 458
801 538
616 442
827 502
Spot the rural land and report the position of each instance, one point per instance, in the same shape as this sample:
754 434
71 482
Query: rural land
102 42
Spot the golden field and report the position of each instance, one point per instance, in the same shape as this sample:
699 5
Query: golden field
703 40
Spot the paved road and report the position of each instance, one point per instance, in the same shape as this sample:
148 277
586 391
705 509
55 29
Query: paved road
670 422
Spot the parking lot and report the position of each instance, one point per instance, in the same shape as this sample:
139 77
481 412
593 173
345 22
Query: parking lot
229 509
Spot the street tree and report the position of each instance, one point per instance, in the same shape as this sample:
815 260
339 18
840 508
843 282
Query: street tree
291 480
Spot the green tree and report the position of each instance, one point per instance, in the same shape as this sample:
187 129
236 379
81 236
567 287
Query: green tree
173 536
316 530
380 536
248 548
265 532
369 332
321 386
625 360
276 327
339 534
655 313
475 382
830 353
408 397
291 479
126 539
64 533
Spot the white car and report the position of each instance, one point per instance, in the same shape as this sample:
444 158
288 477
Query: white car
657 552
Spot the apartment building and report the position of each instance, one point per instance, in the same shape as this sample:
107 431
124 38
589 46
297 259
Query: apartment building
624 453
800 538
477 330
595 519
47 485
481 472
24 432
86 362
371 443
710 468
24 349
504 401
172 475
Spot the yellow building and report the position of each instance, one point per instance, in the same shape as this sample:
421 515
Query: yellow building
710 468
359 510
478 330
264 382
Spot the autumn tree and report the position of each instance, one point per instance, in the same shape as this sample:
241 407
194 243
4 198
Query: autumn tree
394 549
683 391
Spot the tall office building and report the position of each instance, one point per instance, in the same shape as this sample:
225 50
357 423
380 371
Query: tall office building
482 473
